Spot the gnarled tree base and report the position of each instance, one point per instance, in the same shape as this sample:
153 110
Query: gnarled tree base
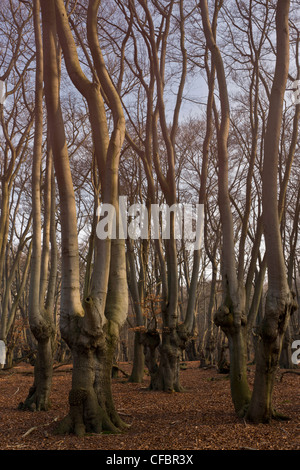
236 333
278 310
165 374
91 402
36 400
86 416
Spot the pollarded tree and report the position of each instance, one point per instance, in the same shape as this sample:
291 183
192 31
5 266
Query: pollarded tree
231 315
41 316
154 140
89 326
247 41
280 301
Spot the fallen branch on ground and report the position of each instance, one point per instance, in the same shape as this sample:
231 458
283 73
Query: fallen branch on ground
36 427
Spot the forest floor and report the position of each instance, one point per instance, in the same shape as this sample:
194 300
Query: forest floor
200 418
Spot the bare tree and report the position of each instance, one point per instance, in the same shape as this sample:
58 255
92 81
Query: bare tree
231 315
280 301
40 315
16 117
90 328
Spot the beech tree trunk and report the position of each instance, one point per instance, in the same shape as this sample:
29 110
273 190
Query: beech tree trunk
280 301
41 320
138 366
137 295
231 315
89 327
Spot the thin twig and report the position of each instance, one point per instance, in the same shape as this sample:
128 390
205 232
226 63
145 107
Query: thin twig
36 427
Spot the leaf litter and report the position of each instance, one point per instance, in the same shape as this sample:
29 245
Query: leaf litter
200 418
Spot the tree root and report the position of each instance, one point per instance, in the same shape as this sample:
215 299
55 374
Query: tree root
288 372
35 402
116 368
86 416
279 416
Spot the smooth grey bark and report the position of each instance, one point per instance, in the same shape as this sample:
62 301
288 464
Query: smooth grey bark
210 339
252 305
41 320
280 301
137 295
231 316
163 363
90 327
